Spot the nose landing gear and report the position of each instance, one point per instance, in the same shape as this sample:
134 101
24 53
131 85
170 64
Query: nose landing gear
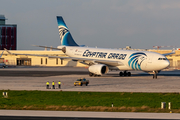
155 76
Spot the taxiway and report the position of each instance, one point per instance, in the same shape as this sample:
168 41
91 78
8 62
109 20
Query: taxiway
35 78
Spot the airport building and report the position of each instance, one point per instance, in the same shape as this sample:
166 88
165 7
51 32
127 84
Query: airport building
7 34
23 60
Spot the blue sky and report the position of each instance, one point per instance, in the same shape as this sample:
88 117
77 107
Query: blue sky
102 23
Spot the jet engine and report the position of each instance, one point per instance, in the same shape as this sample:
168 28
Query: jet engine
98 69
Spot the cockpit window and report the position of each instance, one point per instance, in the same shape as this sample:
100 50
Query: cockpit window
162 58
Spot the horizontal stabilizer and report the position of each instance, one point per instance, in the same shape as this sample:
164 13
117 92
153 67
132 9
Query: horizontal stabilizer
47 47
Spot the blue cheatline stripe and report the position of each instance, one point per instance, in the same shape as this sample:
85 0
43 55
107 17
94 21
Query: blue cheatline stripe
135 57
139 53
133 60
132 65
136 65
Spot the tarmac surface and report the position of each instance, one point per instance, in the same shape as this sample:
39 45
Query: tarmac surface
58 115
35 78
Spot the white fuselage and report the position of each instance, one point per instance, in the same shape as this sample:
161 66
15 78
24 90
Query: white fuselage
129 59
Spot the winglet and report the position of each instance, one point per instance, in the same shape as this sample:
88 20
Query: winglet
173 50
1 54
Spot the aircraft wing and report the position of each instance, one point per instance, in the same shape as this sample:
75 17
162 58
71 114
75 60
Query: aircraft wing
173 52
90 61
81 60
93 61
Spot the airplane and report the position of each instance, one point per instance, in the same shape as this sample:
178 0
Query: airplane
3 65
102 60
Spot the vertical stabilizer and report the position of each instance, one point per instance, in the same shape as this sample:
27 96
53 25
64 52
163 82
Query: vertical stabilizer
65 36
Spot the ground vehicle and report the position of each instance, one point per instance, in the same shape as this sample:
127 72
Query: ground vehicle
3 65
81 81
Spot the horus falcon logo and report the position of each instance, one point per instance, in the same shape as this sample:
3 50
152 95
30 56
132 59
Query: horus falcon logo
62 31
136 59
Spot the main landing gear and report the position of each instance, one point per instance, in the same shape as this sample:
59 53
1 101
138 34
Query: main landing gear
125 73
92 74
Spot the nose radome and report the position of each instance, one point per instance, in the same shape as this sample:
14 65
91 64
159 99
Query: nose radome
165 63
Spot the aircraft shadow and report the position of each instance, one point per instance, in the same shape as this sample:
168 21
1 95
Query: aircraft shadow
162 73
40 73
58 73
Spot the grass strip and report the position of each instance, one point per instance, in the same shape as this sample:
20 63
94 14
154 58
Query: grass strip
89 101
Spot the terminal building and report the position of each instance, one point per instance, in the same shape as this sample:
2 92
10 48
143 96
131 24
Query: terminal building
7 34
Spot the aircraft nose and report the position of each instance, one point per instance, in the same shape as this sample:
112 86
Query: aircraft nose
165 63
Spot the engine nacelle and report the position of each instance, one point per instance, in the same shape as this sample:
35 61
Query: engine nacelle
99 69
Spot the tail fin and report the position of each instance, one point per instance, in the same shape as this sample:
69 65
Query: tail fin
65 36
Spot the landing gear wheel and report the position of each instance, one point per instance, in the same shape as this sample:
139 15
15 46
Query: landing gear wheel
91 74
129 73
121 74
95 75
125 73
